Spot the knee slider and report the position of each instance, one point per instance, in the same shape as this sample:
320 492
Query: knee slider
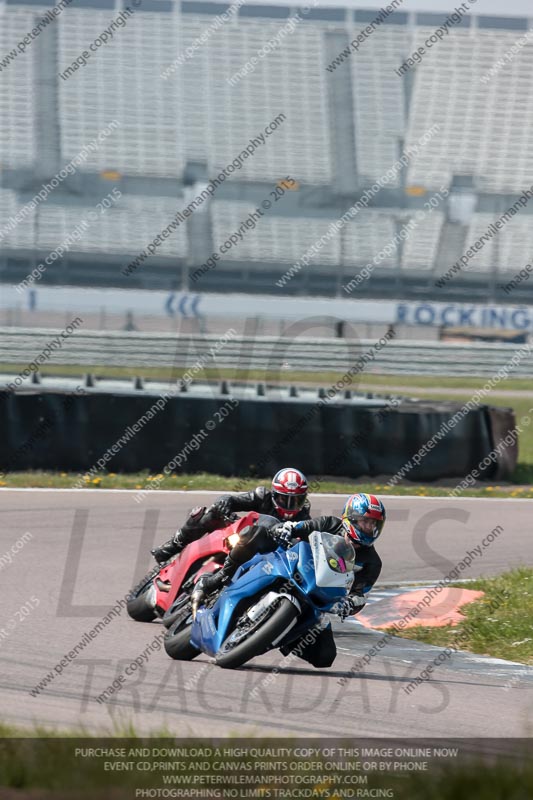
196 513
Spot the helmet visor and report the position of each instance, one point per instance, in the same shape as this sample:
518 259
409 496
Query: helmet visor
364 529
289 502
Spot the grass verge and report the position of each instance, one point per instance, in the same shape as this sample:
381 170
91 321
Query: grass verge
53 768
504 632
286 376
204 482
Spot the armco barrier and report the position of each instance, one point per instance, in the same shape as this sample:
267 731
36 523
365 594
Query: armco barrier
119 349
49 430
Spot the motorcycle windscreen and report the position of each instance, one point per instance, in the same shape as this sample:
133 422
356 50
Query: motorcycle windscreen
333 559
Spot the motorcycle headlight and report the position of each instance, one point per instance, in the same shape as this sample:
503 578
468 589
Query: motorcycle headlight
233 539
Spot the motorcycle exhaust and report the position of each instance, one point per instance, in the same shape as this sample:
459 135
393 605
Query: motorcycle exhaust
151 596
197 599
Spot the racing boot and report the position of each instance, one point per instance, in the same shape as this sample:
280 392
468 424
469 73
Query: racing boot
208 584
194 527
170 548
199 522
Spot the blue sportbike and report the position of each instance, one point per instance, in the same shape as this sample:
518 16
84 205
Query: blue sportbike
272 600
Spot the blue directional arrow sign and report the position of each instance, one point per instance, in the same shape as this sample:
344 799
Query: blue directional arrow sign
185 304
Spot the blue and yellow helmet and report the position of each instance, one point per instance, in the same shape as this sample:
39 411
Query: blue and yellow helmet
363 517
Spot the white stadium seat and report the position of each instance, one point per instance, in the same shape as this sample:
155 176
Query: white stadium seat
275 238
17 91
291 80
128 227
364 237
15 234
484 125
122 82
510 249
202 115
421 245
379 103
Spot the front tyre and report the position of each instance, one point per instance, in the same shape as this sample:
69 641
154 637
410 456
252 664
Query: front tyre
250 639
177 640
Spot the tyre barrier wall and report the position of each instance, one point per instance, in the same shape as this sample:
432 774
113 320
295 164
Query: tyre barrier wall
253 436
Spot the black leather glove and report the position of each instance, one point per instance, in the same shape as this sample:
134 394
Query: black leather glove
224 506
349 606
282 534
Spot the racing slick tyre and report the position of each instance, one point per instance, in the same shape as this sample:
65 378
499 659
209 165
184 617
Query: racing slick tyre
252 638
178 638
140 601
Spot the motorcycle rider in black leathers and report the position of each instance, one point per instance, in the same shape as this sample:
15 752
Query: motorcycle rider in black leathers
361 523
286 500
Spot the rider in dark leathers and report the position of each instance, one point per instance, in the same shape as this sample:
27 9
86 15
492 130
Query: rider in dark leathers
287 499
361 523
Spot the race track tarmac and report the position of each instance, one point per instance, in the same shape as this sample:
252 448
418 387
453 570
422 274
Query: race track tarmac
86 549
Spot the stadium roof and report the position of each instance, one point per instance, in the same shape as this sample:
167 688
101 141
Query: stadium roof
504 8
500 8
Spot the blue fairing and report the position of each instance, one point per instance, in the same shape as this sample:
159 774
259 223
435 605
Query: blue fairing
295 566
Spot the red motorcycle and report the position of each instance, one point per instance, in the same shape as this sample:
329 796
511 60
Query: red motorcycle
165 590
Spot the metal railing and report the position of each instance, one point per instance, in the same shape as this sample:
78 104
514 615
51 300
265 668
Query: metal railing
121 349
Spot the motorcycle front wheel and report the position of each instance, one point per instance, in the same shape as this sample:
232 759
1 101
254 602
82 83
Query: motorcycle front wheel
177 640
252 638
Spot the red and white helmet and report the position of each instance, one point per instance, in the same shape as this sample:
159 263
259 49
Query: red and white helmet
289 492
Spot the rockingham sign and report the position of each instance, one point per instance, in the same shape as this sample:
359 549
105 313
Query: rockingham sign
206 305
464 316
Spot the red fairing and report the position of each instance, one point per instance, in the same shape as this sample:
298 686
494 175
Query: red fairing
211 544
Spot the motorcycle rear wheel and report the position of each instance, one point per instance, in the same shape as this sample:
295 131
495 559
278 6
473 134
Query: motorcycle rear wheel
138 606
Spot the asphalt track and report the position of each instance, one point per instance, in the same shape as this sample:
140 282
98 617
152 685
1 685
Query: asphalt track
88 548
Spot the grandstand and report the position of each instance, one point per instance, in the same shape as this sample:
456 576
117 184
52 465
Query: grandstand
339 130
